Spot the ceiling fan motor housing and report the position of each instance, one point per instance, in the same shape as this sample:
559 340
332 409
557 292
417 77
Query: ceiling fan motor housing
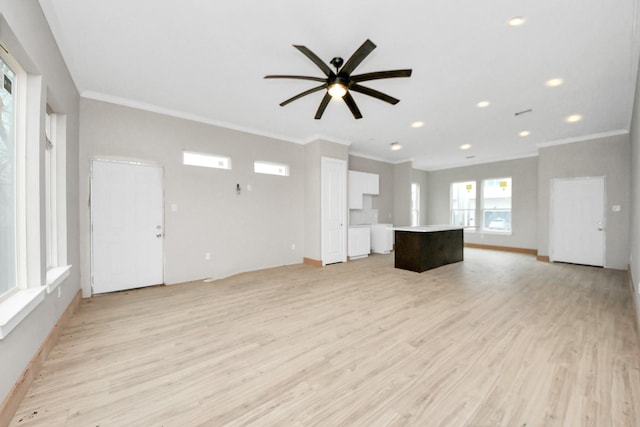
337 62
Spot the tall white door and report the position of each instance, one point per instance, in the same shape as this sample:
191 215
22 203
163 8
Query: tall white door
127 212
333 189
577 222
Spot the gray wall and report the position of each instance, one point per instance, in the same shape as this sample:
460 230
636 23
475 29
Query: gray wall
383 202
524 206
634 257
24 31
402 174
608 157
250 231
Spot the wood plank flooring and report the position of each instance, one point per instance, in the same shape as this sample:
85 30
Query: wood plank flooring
497 340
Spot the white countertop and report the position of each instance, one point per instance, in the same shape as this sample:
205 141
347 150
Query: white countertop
429 228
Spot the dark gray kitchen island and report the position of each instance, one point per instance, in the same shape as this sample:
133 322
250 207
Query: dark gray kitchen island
425 247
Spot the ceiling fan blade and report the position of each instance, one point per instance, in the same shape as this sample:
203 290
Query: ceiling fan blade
358 56
380 75
351 103
314 58
281 76
301 94
323 106
376 94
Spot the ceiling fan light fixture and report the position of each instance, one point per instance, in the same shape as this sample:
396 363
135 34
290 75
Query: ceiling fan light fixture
337 90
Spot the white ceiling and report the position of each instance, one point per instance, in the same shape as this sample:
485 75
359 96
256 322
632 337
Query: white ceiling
206 60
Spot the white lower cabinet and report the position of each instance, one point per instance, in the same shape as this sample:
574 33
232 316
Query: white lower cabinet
359 241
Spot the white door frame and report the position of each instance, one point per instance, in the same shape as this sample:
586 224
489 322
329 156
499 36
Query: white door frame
333 212
600 226
157 229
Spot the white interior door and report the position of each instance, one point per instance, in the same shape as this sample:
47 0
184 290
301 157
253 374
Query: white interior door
333 190
127 212
577 223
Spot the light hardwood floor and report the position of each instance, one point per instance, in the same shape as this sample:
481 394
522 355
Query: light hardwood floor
497 340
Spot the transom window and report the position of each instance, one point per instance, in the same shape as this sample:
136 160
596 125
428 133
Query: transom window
270 168
206 160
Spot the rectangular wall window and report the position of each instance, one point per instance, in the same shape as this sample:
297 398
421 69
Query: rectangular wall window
8 184
415 204
463 204
496 205
206 160
271 168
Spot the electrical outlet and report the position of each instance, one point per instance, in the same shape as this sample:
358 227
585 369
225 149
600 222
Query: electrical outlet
207 256
293 246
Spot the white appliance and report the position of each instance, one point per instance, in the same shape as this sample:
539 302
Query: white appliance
381 238
359 241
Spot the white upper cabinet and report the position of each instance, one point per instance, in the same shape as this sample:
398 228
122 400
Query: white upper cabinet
361 183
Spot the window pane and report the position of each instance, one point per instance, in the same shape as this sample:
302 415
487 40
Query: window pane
7 181
463 203
415 204
271 168
206 160
50 191
496 204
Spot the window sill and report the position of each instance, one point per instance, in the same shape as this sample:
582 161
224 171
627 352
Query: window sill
56 275
17 306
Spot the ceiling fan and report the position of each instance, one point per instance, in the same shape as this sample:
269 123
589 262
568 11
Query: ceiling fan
338 84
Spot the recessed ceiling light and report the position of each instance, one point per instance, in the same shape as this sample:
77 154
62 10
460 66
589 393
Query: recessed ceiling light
515 21
573 118
395 146
483 104
465 146
416 125
525 133
554 82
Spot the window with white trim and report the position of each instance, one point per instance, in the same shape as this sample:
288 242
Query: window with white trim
50 190
415 204
496 205
270 168
463 203
8 180
190 158
55 197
